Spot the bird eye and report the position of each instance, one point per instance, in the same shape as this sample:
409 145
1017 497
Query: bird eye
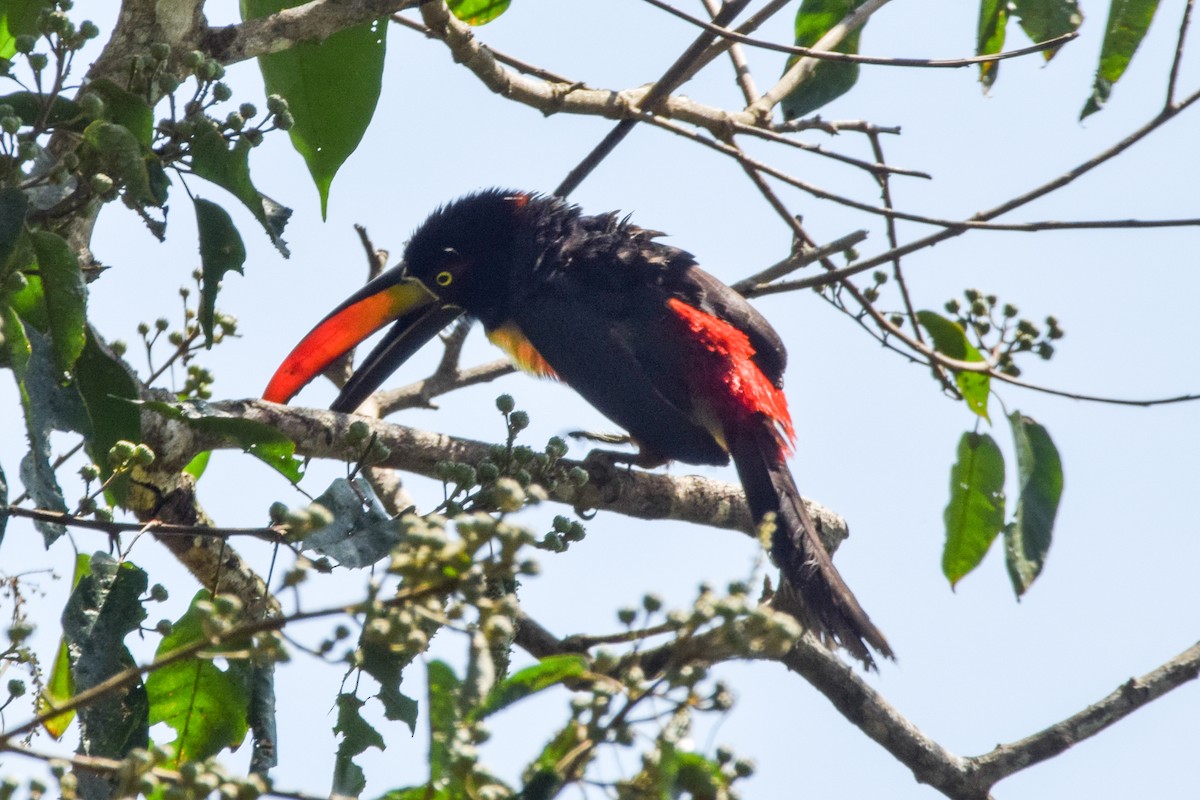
444 279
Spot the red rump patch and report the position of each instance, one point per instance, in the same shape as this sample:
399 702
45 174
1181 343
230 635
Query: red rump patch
748 388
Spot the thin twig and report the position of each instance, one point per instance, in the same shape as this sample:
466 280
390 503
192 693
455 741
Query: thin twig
1184 24
793 262
883 61
271 533
741 68
649 103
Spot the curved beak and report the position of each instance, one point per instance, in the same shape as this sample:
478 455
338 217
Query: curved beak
392 297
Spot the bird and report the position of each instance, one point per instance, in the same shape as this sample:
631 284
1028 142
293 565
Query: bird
668 352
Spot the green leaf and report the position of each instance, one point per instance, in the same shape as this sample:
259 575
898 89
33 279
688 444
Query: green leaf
104 608
1039 472
950 340
260 677
361 532
385 666
830 79
13 205
14 344
993 20
48 406
543 779
197 465
61 686
357 736
1045 19
444 688
18 17
229 167
331 87
29 107
975 513
120 155
203 704
221 251
550 671
698 777
259 440
106 388
477 12
66 296
125 109
1128 21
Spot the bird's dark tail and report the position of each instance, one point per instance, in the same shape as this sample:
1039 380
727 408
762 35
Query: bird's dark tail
807 569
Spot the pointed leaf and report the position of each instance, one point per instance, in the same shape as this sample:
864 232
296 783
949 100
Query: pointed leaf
104 608
1045 19
1039 471
229 167
993 20
203 704
361 532
477 12
61 686
66 296
259 440
357 735
331 88
197 465
550 671
221 251
975 513
950 340
1128 21
444 687
830 79
14 344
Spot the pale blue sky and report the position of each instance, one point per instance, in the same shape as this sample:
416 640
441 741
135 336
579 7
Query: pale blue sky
1119 593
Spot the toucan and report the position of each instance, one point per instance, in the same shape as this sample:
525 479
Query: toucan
678 359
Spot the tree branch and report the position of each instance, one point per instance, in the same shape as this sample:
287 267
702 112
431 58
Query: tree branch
632 493
314 21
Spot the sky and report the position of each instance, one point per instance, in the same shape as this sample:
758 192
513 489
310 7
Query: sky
876 437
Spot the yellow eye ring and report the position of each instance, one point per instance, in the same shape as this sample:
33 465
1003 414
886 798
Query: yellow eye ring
444 279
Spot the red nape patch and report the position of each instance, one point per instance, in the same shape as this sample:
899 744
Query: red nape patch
748 388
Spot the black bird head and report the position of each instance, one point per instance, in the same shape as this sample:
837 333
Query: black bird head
466 257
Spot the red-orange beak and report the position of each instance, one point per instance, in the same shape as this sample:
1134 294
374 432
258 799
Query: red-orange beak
392 297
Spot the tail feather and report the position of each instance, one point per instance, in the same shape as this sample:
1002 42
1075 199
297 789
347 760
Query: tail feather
797 549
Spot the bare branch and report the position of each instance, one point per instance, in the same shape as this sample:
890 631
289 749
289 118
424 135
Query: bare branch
1123 701
633 493
314 21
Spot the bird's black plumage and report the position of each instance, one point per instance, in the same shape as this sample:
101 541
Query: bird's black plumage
682 362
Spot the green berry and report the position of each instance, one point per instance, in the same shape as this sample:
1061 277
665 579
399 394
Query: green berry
505 403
